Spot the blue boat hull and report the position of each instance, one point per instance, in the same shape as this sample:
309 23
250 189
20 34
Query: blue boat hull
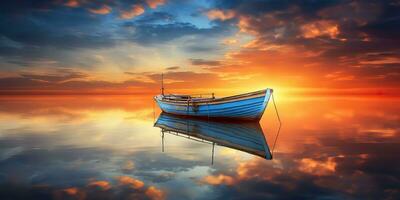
246 136
250 107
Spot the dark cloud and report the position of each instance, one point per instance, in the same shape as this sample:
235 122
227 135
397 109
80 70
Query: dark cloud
338 33
350 157
61 29
56 33
25 6
203 62
198 48
156 17
70 82
54 78
49 171
75 82
367 179
93 190
173 68
187 78
260 7
161 33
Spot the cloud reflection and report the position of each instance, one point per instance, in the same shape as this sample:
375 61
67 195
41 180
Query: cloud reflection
343 148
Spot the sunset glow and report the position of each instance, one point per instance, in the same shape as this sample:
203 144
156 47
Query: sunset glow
102 47
131 99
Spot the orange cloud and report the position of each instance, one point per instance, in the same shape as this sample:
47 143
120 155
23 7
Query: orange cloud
154 193
135 10
103 185
218 180
67 193
134 183
315 167
340 76
219 14
154 3
320 28
251 169
381 60
101 11
72 3
257 25
71 191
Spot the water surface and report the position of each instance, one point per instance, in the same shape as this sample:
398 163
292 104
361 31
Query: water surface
90 147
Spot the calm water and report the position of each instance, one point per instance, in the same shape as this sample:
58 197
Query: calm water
79 147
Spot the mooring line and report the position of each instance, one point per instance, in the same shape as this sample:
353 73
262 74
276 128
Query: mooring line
154 111
280 124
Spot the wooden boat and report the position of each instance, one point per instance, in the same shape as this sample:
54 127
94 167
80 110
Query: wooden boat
248 106
243 136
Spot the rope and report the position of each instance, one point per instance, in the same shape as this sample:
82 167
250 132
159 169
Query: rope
154 111
276 110
280 124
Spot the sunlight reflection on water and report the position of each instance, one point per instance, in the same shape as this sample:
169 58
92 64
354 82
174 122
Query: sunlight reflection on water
106 146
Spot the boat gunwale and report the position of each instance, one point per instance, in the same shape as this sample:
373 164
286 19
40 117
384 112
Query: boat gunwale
210 101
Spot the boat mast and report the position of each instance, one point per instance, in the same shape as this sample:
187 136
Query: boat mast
162 84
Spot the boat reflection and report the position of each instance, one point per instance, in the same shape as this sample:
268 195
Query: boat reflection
243 136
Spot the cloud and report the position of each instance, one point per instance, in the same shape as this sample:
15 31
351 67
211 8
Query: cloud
154 3
320 28
328 36
201 48
321 177
131 182
172 68
220 15
134 11
72 3
154 193
293 41
103 185
205 62
103 10
146 34
156 17
315 167
341 163
70 82
187 77
60 76
218 180
57 30
50 30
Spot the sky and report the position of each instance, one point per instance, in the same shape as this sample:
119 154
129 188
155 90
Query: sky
121 47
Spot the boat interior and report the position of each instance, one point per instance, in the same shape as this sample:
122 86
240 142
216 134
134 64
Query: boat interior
208 97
